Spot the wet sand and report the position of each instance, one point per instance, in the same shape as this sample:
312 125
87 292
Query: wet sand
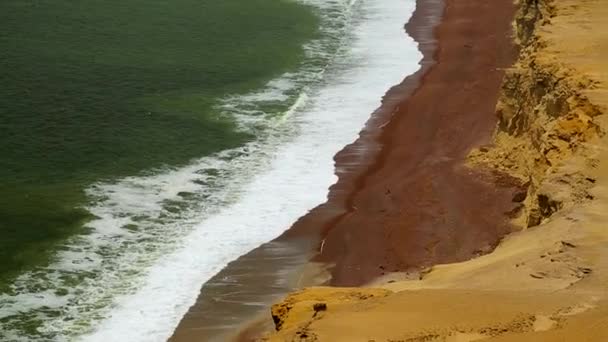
245 288
404 199
409 201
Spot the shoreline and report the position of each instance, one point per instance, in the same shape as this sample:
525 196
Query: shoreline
408 201
360 164
247 286
356 161
351 164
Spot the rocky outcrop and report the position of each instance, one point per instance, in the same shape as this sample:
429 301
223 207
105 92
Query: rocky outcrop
545 119
298 309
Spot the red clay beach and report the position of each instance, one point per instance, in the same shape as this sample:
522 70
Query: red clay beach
414 203
404 199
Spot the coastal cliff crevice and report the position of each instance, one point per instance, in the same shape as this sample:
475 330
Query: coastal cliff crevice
544 121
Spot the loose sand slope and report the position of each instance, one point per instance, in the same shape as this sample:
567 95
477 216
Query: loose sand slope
548 282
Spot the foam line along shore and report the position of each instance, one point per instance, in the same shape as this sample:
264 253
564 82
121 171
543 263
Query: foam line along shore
364 70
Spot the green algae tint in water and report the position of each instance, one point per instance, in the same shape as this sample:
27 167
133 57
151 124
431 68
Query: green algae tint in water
100 89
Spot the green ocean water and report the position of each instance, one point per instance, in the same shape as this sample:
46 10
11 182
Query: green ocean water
95 90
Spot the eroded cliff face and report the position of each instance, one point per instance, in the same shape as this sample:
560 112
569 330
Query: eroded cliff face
545 119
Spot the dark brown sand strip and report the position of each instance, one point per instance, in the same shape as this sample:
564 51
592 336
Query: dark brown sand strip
408 201
417 205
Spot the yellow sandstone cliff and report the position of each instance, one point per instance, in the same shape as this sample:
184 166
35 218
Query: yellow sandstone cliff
548 282
548 107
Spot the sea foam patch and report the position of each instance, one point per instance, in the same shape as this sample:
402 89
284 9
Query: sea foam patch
158 237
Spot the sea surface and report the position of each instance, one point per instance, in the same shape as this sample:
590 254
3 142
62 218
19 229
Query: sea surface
146 144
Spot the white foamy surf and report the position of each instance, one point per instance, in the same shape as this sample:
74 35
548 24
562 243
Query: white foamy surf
159 237
300 173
